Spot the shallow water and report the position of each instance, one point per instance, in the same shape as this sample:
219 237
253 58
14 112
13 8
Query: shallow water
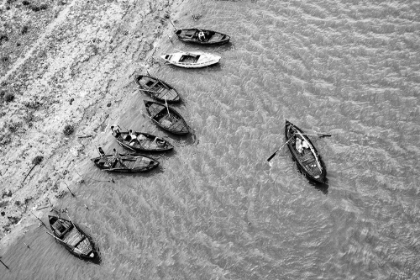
215 209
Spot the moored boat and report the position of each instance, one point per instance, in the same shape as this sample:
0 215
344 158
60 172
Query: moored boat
157 89
166 118
72 238
305 154
130 163
140 141
202 36
191 59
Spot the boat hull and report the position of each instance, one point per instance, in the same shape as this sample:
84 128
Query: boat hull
309 161
157 89
166 118
190 35
191 59
91 254
133 163
144 142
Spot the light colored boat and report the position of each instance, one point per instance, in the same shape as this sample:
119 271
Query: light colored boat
191 59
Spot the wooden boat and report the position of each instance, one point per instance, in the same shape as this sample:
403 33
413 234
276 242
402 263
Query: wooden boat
206 37
305 154
72 238
130 163
166 118
191 59
157 89
140 141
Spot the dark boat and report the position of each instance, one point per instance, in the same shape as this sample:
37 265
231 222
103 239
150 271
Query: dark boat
305 154
202 36
166 118
130 163
140 141
73 238
157 89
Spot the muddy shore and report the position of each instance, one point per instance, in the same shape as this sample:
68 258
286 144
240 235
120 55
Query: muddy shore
65 68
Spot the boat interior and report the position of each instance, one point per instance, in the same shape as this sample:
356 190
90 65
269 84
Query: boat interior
189 58
61 227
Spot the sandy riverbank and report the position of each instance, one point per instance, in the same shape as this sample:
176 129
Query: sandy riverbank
70 66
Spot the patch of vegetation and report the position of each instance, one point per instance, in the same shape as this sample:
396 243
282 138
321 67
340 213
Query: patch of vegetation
26 3
68 130
32 104
13 127
5 139
24 30
9 97
3 38
4 59
6 194
35 8
39 8
37 160
14 220
29 118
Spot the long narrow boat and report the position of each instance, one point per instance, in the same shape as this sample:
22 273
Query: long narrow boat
72 238
305 154
140 141
166 118
157 89
202 36
129 163
191 59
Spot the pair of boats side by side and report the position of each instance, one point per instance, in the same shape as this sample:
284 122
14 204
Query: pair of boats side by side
196 59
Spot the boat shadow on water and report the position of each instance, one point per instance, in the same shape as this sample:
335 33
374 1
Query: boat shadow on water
322 187
97 259
217 48
182 140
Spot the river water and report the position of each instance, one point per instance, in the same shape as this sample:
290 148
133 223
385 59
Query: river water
215 209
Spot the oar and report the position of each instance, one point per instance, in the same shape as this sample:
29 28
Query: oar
69 189
4 264
70 220
166 104
163 83
173 24
39 220
318 134
54 236
273 155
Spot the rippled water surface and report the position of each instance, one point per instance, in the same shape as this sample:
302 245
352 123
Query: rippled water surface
215 209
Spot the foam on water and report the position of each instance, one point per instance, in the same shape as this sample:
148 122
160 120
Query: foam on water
215 209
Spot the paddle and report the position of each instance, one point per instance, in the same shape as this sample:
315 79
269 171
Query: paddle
70 219
173 24
69 189
54 236
39 220
319 135
275 153
4 264
164 84
166 104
